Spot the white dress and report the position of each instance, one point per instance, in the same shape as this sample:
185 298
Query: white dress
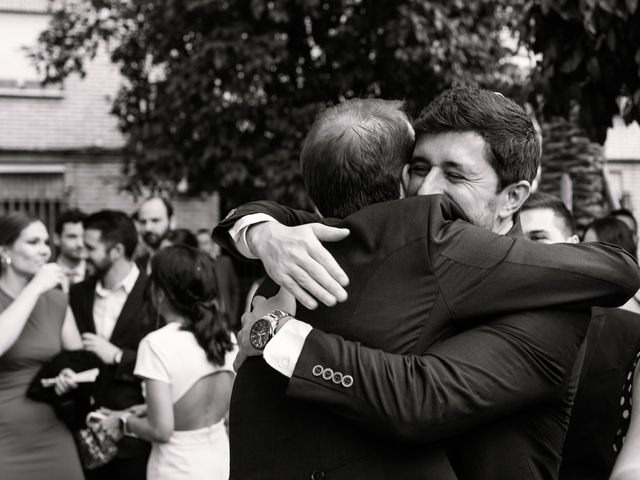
173 355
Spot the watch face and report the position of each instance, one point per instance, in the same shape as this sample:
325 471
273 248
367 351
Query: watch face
260 334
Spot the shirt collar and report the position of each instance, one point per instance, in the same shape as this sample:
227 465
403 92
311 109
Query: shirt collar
126 284
77 270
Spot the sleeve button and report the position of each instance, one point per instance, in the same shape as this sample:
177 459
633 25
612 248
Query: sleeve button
317 370
347 381
327 374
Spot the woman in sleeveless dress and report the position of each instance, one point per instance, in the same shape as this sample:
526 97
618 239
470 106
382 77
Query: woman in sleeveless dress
34 444
187 367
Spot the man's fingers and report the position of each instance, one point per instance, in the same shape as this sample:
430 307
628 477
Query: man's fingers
260 307
308 281
325 233
297 291
325 272
247 318
237 363
333 271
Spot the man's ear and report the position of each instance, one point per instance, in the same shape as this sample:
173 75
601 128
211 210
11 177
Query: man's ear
514 197
56 239
404 180
117 251
172 223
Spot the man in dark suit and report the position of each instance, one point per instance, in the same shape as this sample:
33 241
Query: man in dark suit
111 316
611 346
336 448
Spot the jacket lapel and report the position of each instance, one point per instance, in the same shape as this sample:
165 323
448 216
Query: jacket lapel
82 298
132 307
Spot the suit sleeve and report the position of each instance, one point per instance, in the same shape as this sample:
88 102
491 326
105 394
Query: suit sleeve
482 274
124 370
285 215
468 380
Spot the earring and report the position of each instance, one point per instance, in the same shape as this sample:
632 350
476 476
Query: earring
5 261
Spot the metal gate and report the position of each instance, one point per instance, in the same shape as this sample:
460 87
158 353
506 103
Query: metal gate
41 195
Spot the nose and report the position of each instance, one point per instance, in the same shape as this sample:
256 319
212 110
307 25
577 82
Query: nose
431 184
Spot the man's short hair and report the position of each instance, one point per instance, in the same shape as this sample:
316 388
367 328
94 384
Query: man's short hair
611 230
551 202
513 147
167 205
354 153
623 212
114 227
73 215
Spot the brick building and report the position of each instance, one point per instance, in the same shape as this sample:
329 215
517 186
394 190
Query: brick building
622 151
60 146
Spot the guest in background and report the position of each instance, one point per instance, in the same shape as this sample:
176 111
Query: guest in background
228 284
187 372
156 220
68 239
180 236
141 253
110 312
629 220
34 444
612 230
610 347
206 244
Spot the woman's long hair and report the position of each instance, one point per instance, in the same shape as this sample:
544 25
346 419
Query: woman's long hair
186 277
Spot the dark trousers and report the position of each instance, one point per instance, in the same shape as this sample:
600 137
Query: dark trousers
120 469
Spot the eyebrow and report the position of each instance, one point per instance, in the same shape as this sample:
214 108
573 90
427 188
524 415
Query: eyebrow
456 165
538 232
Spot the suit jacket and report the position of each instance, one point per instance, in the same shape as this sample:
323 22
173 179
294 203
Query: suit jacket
116 387
407 261
611 347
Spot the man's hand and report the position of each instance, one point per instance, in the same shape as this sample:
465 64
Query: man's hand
296 260
260 307
245 349
283 300
104 349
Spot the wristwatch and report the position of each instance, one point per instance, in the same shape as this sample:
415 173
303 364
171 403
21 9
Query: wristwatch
265 328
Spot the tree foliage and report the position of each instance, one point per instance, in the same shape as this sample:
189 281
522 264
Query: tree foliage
220 93
590 57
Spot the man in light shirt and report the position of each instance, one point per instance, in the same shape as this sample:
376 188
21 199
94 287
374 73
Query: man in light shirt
68 239
111 316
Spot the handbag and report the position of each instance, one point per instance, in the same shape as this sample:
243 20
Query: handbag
72 407
95 446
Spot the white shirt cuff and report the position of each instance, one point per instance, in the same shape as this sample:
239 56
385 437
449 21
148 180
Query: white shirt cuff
284 349
238 232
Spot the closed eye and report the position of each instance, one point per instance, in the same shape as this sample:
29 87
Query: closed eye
455 177
420 169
